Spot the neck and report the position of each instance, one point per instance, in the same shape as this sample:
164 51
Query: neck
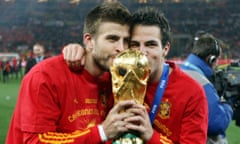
156 75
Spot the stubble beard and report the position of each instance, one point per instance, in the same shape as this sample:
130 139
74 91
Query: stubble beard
102 66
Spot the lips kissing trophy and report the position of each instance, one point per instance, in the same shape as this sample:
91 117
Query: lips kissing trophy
130 72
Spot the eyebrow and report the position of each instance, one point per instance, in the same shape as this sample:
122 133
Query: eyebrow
112 36
151 41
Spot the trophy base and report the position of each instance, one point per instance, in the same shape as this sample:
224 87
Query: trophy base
128 138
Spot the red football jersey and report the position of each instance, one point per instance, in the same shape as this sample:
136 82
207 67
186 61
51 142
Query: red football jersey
183 111
58 105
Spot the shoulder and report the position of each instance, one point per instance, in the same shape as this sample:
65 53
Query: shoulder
52 71
55 64
185 82
179 75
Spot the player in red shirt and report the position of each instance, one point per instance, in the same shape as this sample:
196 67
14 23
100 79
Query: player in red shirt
182 114
54 99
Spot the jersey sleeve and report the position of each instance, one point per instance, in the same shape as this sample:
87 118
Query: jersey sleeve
38 104
77 137
158 138
195 120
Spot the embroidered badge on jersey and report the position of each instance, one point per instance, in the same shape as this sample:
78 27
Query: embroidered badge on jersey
164 109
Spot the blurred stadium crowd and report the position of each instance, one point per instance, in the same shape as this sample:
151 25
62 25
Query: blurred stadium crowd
58 22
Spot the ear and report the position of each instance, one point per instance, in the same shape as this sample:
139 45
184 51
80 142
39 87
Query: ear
166 49
87 39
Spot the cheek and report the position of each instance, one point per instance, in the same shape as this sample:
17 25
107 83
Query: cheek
153 66
151 60
106 47
100 47
155 59
153 55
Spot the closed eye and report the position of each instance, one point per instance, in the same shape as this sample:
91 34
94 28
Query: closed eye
151 44
134 44
112 38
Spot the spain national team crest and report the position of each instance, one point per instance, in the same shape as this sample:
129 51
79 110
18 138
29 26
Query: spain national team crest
164 109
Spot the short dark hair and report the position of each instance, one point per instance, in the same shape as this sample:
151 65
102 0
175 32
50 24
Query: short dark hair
106 12
206 45
150 16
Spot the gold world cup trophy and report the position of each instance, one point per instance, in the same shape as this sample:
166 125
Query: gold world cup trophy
130 73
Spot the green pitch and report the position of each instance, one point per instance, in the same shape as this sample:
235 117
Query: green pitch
8 96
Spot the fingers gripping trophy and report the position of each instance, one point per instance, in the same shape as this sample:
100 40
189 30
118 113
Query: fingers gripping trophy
130 73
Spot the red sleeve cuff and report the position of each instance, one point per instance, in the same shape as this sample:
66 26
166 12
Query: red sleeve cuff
92 137
155 138
95 137
158 138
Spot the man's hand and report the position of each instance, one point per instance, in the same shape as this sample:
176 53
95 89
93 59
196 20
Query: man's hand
140 122
114 124
74 55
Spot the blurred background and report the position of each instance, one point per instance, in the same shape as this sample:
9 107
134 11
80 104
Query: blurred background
58 22
55 23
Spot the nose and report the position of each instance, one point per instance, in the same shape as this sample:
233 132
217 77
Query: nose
143 49
120 46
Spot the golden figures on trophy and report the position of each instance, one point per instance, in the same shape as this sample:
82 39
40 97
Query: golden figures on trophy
130 72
